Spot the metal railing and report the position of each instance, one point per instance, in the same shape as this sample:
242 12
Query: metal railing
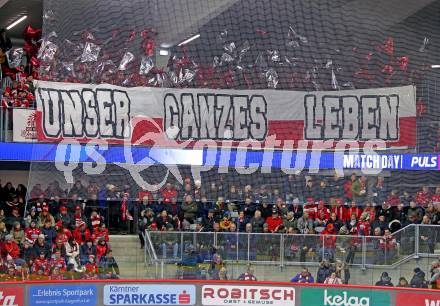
292 249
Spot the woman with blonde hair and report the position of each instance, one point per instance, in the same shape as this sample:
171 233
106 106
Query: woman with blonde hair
333 279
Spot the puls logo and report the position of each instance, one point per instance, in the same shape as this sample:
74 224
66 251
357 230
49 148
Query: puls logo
424 161
344 300
7 300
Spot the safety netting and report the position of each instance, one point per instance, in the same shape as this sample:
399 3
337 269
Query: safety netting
275 47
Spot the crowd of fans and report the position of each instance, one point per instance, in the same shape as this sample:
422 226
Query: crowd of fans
339 274
340 206
21 94
54 240
66 230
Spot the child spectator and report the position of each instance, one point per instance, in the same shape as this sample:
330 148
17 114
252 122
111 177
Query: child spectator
333 279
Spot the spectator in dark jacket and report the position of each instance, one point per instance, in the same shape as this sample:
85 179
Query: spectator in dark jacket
386 211
49 233
108 266
401 213
5 41
257 222
379 223
324 271
164 222
65 218
189 208
40 245
248 208
385 280
86 250
379 191
337 224
208 221
418 280
415 210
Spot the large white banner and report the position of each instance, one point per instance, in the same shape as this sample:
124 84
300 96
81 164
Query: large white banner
117 114
24 125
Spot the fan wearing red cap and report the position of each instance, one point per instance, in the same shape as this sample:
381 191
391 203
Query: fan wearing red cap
91 266
65 218
328 243
81 233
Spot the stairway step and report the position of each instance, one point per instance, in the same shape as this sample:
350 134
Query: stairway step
124 249
125 237
128 258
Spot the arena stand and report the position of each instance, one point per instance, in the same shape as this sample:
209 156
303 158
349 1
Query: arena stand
232 222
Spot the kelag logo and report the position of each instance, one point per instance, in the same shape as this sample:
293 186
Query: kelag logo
247 295
344 297
135 294
63 295
11 296
417 299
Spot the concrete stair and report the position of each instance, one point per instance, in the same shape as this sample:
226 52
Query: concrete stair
129 255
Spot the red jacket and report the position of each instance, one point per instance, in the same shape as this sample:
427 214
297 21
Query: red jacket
347 189
323 214
364 227
143 194
91 267
436 198
60 263
64 235
328 239
81 237
31 234
393 200
10 248
101 250
311 209
423 198
41 264
341 213
97 233
168 195
274 223
372 212
388 243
